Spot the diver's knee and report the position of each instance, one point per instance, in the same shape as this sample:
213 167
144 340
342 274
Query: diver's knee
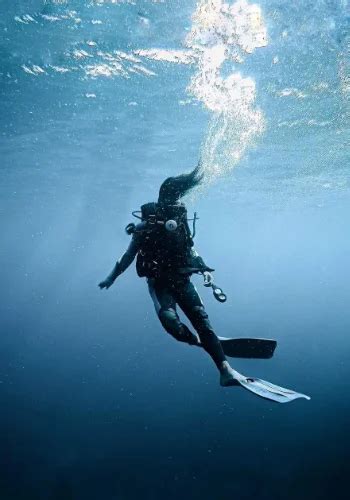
172 324
200 320
199 314
169 320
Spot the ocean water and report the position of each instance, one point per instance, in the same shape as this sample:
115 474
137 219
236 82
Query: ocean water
101 100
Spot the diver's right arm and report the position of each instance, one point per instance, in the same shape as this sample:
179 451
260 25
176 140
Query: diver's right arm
123 263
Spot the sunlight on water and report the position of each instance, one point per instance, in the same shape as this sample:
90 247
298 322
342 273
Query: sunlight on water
203 56
222 32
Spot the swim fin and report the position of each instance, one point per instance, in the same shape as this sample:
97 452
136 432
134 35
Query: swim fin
267 390
248 347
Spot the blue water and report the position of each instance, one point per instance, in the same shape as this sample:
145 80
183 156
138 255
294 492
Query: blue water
97 402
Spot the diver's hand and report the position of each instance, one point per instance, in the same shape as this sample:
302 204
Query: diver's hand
208 278
106 284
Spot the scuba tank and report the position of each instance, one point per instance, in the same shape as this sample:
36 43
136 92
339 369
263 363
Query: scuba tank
166 240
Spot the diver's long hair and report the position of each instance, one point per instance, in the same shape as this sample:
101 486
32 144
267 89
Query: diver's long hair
174 188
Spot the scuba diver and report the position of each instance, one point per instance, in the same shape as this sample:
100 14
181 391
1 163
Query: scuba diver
163 244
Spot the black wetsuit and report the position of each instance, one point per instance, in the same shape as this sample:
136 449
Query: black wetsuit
168 290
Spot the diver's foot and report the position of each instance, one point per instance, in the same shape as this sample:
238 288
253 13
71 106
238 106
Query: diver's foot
228 376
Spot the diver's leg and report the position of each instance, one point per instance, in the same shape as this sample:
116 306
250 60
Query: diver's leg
190 302
165 307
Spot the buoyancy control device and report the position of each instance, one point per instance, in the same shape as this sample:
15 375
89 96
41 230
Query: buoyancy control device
166 241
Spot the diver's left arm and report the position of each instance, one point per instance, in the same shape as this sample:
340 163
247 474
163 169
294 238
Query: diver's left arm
202 267
123 263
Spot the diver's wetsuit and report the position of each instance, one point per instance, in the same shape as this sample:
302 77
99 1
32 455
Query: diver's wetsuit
177 289
168 290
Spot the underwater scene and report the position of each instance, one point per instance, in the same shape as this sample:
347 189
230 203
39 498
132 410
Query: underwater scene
238 112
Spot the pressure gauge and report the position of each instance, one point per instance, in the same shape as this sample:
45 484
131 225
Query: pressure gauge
171 225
